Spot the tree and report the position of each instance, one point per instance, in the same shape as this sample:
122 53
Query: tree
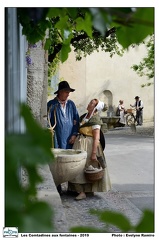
86 29
146 66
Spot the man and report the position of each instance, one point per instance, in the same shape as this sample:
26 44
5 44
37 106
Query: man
139 110
63 114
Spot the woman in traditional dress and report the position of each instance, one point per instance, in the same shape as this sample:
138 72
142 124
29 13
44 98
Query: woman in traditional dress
91 139
122 113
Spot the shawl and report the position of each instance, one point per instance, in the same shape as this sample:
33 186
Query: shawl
94 120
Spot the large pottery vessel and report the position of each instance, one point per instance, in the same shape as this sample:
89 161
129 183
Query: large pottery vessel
67 164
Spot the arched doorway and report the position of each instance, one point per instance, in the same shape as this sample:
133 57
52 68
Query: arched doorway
107 97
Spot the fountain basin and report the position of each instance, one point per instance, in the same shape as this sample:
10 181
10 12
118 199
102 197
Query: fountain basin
110 121
67 164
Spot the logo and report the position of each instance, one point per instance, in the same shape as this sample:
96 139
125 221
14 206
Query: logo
10 232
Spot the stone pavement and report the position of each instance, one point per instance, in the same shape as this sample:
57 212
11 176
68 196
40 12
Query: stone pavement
147 130
69 212
77 212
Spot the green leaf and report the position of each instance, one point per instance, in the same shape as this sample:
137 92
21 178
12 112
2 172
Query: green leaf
36 32
47 44
84 24
114 218
141 26
25 151
37 217
72 12
14 196
26 148
64 52
40 135
145 18
44 25
62 24
54 12
146 225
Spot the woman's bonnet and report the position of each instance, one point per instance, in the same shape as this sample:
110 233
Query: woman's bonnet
101 106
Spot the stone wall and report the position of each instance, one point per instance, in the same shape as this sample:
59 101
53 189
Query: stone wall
109 79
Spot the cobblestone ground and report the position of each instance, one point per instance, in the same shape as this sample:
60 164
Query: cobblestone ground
77 212
147 129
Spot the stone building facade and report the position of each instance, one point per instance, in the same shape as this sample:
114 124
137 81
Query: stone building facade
109 79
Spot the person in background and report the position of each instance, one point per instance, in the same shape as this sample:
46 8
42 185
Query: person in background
90 140
63 114
139 110
122 110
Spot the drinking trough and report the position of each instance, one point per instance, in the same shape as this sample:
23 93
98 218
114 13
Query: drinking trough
67 164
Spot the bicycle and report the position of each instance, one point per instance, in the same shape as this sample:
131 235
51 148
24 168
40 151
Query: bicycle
130 117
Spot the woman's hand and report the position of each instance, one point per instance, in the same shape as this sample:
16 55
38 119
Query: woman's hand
93 157
72 139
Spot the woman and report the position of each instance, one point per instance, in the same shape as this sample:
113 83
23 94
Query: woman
89 140
122 113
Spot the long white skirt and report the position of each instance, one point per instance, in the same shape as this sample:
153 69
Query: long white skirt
80 184
122 117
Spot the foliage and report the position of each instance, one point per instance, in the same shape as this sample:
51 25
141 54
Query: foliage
34 23
133 26
81 42
86 28
146 66
26 151
121 222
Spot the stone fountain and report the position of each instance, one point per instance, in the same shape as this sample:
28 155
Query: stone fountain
111 120
67 164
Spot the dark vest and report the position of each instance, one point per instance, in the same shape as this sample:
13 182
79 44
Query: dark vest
139 103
